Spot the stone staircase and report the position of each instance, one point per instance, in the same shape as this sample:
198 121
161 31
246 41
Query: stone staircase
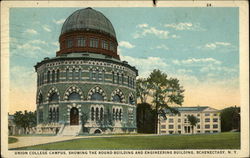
70 130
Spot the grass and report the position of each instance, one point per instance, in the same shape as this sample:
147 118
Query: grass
12 140
229 140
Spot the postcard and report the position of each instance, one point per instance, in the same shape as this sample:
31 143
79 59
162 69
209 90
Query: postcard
124 79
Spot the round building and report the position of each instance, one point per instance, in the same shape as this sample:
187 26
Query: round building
86 88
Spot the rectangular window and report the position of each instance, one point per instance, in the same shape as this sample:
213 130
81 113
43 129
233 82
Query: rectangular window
170 126
163 126
198 114
81 42
207 126
163 131
112 47
179 120
69 43
215 131
171 132
179 132
198 126
93 43
179 114
198 131
171 120
215 120
105 45
179 126
207 114
199 120
215 114
207 120
215 126
207 131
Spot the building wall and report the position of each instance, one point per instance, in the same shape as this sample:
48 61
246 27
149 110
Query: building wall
57 77
179 124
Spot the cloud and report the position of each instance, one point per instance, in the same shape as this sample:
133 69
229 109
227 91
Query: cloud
197 61
58 22
46 28
31 31
146 30
162 46
126 44
142 25
215 45
37 42
146 65
28 46
185 26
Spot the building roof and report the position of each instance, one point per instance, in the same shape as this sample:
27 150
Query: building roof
194 109
88 19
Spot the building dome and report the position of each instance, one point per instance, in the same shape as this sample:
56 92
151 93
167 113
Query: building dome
88 19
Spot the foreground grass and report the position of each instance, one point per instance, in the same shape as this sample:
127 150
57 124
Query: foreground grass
12 140
204 141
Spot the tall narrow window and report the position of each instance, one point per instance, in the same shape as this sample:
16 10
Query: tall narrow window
57 114
93 43
42 78
128 81
73 74
113 114
97 75
81 42
120 115
80 74
58 75
92 114
67 74
101 114
38 78
50 114
113 77
118 78
53 115
122 79
103 76
53 76
116 114
97 114
105 45
48 77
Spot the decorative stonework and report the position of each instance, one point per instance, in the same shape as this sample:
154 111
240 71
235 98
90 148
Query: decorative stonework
71 90
52 91
99 90
119 93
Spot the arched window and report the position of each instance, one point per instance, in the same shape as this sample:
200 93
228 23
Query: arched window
67 74
97 114
116 114
97 96
53 76
80 74
131 100
113 114
118 78
58 75
73 74
48 77
53 115
120 115
113 77
50 114
117 98
92 113
54 98
74 96
101 114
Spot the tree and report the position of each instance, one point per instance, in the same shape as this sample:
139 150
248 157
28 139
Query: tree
142 89
145 118
165 91
193 121
230 119
25 120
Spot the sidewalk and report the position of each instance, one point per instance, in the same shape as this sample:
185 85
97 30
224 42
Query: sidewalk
24 141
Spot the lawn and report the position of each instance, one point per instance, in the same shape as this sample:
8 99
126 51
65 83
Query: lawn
203 141
12 140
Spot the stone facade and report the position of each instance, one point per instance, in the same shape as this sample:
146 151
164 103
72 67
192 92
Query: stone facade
89 89
208 121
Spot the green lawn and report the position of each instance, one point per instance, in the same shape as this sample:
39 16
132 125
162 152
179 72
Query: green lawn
12 140
202 141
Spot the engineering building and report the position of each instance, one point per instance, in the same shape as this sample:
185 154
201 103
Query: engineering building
86 88
208 121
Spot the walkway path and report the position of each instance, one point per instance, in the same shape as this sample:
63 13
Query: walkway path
24 141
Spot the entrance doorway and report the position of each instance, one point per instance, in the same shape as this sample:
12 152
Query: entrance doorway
74 116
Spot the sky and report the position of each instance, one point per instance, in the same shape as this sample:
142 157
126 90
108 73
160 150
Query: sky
198 46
